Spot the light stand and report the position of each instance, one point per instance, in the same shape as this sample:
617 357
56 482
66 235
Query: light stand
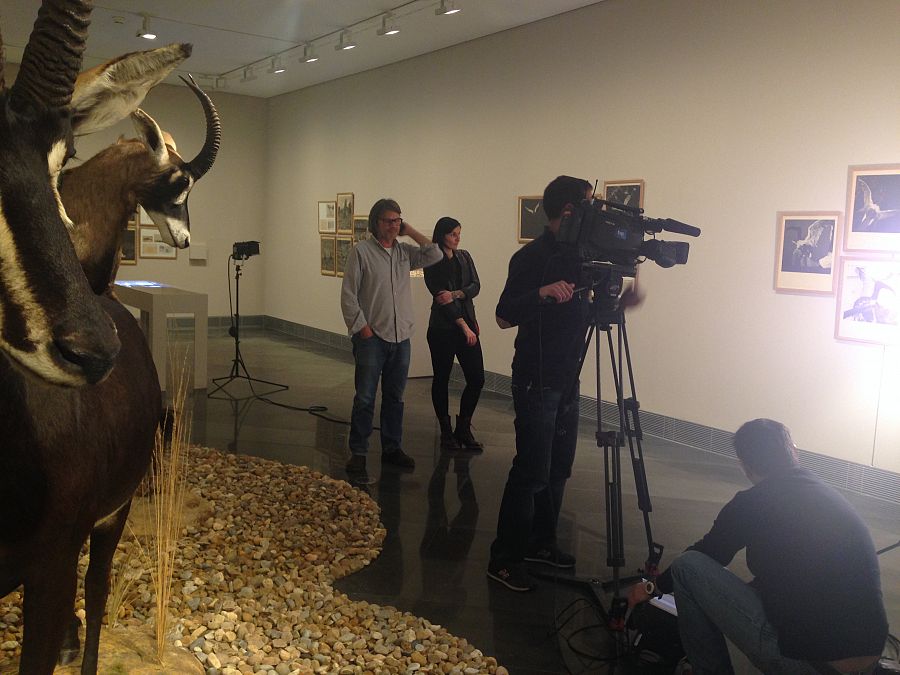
606 283
238 368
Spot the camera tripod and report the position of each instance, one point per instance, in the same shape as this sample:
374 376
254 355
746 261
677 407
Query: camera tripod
238 368
605 280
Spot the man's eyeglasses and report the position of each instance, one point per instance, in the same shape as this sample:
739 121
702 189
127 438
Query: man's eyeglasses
391 221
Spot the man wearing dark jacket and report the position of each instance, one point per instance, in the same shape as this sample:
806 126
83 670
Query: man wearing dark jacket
814 605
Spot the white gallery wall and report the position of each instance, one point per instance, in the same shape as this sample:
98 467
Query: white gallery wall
730 112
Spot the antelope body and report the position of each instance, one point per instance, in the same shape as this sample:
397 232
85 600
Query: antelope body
79 398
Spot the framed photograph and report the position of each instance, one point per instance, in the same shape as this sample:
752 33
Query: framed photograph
345 213
532 219
128 252
627 192
361 228
341 253
327 255
326 217
867 305
152 245
805 251
873 208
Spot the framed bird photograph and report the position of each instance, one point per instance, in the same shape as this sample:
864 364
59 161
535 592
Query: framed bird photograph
626 192
341 253
327 255
326 217
360 228
867 308
805 251
873 209
532 219
344 205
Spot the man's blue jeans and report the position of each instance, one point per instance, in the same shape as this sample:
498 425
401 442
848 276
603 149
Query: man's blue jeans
714 604
546 437
388 361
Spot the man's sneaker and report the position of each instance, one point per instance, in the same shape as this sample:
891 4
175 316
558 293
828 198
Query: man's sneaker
514 577
398 458
551 556
357 464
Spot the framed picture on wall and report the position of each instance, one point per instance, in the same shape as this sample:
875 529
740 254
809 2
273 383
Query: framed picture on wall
361 228
867 307
627 192
345 213
873 208
805 251
341 253
128 252
532 219
326 216
327 255
152 245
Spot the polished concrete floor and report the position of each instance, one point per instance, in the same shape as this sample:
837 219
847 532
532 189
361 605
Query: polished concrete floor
441 517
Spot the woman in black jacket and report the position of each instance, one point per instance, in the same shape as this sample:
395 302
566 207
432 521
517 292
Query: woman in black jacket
453 332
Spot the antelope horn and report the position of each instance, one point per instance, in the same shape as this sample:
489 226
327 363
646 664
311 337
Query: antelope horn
204 160
52 57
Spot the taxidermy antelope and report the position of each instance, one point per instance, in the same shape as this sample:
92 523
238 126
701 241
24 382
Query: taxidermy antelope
101 194
79 398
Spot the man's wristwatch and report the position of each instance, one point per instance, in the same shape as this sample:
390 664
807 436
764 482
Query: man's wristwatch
650 589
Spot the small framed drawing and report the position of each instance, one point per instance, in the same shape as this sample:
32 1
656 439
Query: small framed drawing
873 208
341 253
326 217
532 219
804 251
152 245
626 192
128 251
327 255
345 213
360 228
867 307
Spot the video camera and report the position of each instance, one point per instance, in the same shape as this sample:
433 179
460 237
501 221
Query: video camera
615 233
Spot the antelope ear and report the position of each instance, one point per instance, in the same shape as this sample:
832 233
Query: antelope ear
151 135
112 91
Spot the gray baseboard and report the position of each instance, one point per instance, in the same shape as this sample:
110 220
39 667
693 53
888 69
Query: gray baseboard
859 478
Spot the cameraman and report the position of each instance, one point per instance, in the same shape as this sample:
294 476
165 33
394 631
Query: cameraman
815 603
539 298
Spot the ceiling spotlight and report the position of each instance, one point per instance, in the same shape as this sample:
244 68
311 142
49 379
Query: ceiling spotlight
446 7
145 31
387 26
346 42
309 54
249 75
275 67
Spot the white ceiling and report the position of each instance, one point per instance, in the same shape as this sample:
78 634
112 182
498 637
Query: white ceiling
229 35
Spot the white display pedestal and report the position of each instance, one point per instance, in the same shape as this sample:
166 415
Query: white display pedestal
156 302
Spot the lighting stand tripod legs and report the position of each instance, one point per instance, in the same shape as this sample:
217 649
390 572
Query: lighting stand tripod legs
238 369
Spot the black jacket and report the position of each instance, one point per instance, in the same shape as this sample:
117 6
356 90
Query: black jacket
439 277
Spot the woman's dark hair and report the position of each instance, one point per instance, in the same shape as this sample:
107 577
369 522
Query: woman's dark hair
563 190
765 446
442 227
380 207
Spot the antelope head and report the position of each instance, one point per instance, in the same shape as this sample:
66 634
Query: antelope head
50 321
164 196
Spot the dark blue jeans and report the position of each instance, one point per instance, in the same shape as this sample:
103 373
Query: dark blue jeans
388 361
546 436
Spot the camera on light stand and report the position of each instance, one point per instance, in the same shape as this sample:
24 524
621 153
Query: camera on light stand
241 251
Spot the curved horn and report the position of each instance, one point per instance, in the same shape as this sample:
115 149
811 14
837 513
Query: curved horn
52 57
204 160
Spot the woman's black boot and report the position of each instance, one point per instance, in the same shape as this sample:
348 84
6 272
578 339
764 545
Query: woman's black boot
464 435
